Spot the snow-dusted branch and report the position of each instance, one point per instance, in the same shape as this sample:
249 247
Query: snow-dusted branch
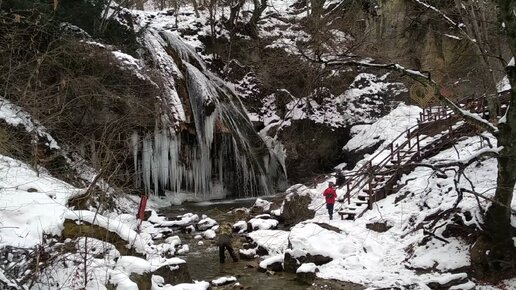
425 79
481 154
459 26
478 194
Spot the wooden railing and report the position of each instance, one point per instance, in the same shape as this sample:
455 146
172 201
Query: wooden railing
409 150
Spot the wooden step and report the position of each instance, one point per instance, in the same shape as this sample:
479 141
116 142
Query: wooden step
347 211
346 216
379 178
366 190
361 202
390 165
383 178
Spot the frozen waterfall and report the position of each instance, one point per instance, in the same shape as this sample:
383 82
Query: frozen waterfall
206 145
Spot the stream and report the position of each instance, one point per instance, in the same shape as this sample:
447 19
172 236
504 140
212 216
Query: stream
203 262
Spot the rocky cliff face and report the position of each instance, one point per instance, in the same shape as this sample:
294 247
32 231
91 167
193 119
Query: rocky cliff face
410 33
179 102
154 117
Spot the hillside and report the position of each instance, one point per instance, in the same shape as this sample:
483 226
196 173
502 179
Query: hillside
241 113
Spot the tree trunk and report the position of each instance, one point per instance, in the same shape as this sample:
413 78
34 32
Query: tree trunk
252 25
233 14
317 8
196 8
498 219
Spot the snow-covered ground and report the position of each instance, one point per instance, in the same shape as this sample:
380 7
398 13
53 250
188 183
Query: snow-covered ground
34 208
34 204
393 258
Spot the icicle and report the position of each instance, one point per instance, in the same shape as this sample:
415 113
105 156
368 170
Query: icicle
168 163
162 155
146 163
134 144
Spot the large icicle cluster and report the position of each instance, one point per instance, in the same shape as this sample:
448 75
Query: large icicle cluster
223 156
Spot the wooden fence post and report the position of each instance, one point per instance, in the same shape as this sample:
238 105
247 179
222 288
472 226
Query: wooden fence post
418 147
348 193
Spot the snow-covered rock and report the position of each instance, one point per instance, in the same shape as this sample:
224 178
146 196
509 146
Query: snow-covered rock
206 223
223 280
209 234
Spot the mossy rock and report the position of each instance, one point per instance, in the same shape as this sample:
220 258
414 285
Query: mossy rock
73 230
296 209
144 281
174 274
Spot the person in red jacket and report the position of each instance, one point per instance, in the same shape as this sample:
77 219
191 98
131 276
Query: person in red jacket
330 195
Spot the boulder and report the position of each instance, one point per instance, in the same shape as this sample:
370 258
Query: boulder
293 259
451 280
295 206
205 224
276 267
334 284
73 230
261 251
143 281
174 274
307 273
378 227
247 254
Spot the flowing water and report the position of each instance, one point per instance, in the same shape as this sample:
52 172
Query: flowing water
203 262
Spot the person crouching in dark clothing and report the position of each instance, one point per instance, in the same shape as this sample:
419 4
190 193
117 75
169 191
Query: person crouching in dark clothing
224 243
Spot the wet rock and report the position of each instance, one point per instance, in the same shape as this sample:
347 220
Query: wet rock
73 230
147 214
378 227
262 270
295 206
457 279
247 254
205 224
249 244
238 286
276 267
189 229
252 265
143 281
306 277
260 206
334 285
241 213
317 259
174 274
261 251
292 262
165 234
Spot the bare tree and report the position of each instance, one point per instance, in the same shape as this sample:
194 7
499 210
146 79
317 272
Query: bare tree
500 248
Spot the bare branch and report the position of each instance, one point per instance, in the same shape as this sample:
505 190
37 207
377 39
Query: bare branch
478 194
425 79
459 26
